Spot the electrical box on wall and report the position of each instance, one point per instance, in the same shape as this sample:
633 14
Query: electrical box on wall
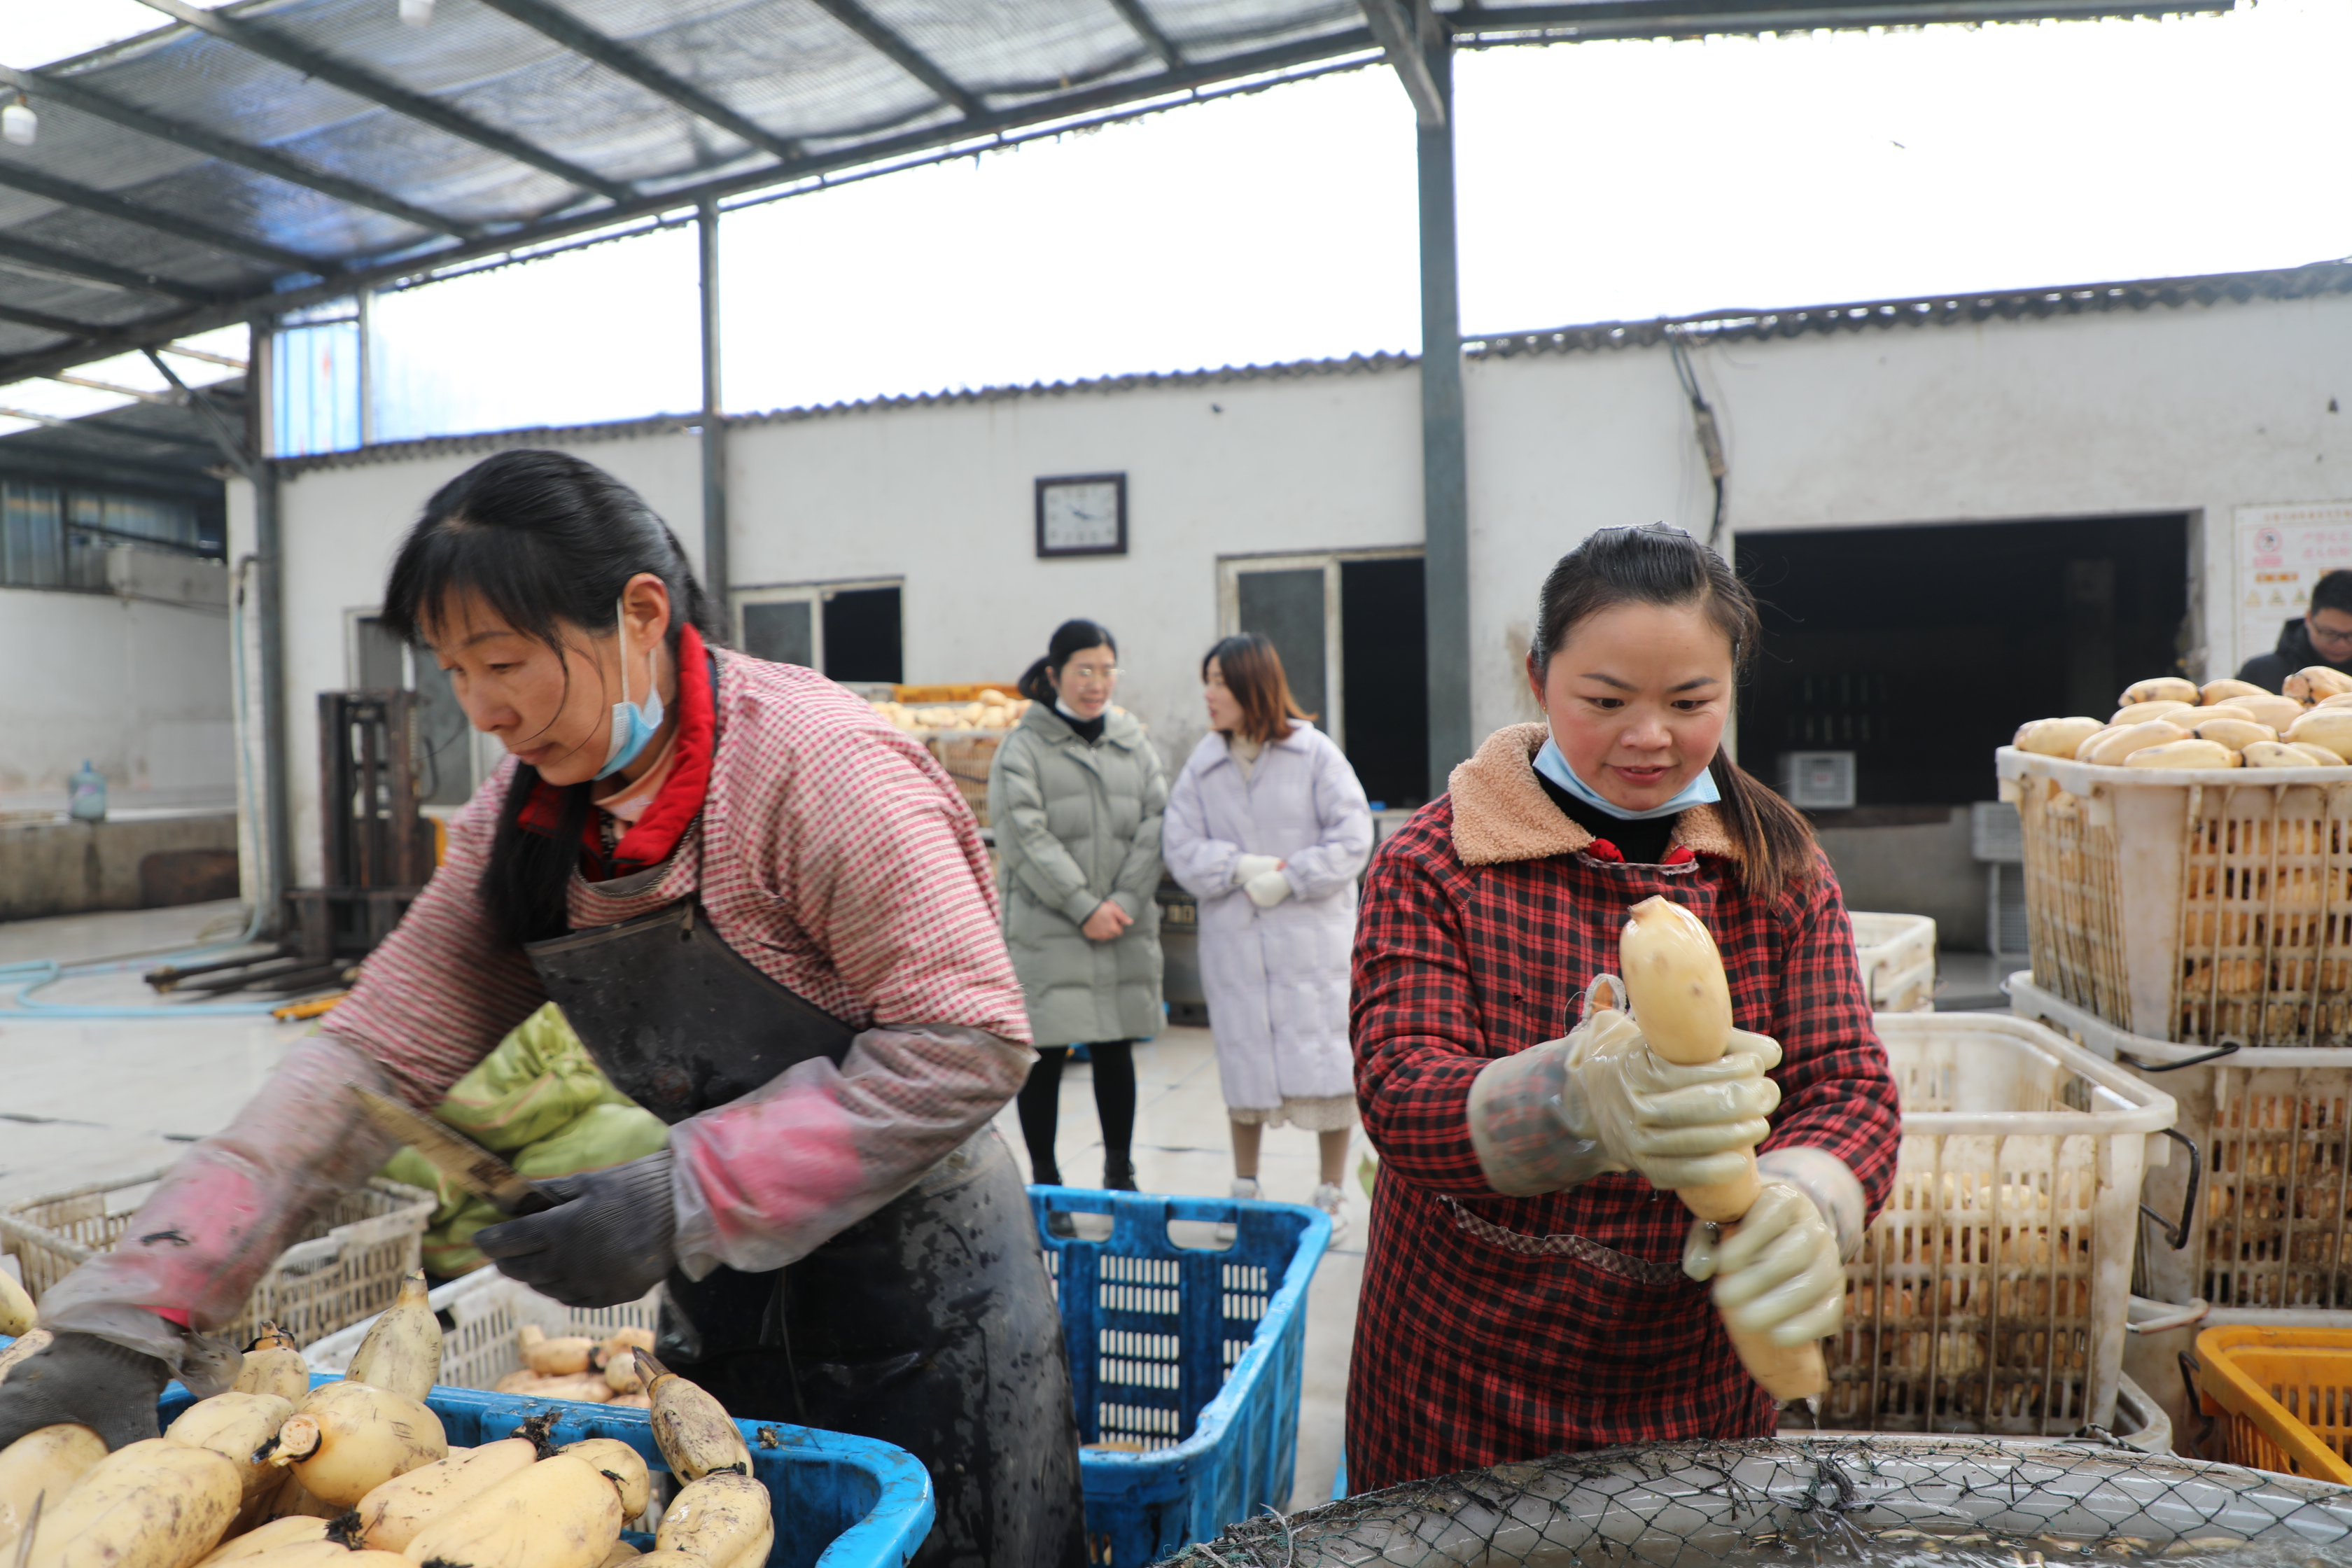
1818 780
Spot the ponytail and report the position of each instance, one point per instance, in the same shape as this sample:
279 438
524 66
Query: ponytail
1664 567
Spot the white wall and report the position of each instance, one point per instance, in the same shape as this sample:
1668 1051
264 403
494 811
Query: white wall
2195 409
138 687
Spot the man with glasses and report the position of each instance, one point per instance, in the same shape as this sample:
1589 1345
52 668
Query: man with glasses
2323 636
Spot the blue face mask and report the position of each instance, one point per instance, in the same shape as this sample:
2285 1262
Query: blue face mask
1700 791
634 726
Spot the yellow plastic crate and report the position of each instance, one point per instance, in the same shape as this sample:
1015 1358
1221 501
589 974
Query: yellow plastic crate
2281 1398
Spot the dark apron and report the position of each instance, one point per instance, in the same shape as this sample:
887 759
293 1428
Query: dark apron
930 1324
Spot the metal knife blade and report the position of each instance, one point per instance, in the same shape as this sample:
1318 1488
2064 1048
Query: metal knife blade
454 1155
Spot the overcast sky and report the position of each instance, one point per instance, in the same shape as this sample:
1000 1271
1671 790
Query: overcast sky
1598 180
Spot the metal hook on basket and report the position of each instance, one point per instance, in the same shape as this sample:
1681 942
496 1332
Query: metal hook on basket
2178 1234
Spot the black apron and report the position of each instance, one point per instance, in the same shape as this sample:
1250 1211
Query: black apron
930 1324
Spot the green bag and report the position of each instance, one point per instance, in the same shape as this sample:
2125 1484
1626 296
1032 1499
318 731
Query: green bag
540 1100
533 1086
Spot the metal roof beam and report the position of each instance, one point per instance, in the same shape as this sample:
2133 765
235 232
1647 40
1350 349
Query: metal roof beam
65 263
621 60
277 166
165 399
909 58
364 84
1401 26
1145 28
1684 18
65 192
48 323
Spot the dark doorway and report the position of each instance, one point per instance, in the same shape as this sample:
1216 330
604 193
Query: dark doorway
1921 649
1384 656
862 636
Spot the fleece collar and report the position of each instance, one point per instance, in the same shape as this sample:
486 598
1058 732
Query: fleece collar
1501 814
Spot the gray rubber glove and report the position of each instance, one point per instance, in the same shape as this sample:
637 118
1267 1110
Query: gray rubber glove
1560 1113
1780 1275
610 1239
82 1380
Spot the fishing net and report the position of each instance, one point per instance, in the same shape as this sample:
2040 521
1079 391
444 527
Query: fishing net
1808 1501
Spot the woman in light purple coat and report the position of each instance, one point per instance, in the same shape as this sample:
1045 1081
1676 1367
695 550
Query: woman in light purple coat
1267 827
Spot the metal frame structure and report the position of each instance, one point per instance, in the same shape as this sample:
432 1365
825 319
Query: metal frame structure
393 219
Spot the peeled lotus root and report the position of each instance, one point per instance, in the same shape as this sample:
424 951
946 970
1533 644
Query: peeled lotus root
2160 689
2314 682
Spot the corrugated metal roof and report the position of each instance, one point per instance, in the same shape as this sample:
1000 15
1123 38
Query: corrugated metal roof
2318 278
2317 281
272 154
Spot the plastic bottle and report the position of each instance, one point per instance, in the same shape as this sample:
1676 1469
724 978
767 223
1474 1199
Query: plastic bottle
86 795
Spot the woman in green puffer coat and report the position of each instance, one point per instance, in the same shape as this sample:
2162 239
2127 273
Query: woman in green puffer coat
1075 796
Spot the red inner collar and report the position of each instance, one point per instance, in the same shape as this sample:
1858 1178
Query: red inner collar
650 840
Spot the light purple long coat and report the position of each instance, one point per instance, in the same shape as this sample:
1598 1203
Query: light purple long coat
1277 979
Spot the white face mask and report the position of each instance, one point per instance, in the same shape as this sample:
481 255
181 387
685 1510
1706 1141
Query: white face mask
634 726
1553 764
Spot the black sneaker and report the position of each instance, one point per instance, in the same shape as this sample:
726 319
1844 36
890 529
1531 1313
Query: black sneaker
1059 1224
1118 1177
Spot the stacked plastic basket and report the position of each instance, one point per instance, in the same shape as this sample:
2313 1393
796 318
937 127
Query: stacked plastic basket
2196 926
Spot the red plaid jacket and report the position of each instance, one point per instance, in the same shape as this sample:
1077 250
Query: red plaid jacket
1494 1328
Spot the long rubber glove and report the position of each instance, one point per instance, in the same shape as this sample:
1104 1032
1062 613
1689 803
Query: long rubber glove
1780 1275
1599 1100
220 1217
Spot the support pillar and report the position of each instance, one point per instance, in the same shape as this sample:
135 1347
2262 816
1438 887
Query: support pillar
714 426
367 367
1444 474
275 830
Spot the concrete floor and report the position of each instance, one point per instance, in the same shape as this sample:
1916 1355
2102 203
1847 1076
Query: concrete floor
1182 1146
87 1099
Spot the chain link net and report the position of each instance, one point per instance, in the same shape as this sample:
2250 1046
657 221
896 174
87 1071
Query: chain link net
1804 1501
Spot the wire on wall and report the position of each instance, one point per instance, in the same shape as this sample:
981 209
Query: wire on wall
1710 440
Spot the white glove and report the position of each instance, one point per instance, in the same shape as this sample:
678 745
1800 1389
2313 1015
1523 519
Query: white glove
1779 1275
1248 868
1268 889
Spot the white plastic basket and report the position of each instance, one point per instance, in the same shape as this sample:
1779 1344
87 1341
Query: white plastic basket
1898 961
2196 905
488 1310
1989 1294
2273 1126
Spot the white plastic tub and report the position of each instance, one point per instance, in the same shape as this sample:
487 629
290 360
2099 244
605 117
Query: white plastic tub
2193 906
1898 961
1990 1293
489 1309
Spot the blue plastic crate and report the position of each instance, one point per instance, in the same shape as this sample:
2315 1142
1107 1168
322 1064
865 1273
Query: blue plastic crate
1192 1352
840 1502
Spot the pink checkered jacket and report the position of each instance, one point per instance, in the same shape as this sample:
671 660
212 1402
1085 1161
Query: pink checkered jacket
832 852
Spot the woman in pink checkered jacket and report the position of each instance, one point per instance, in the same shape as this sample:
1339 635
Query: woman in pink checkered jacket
768 914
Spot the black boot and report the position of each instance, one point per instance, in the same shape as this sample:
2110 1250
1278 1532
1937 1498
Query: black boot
1119 1174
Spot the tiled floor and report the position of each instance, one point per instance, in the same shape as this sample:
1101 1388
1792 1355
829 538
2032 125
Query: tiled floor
84 1099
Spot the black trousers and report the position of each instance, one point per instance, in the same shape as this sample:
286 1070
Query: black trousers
1041 1105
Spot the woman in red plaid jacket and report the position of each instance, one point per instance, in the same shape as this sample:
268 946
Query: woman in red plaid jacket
1533 1284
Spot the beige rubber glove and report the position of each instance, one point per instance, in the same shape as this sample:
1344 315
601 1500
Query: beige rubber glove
1780 1275
1562 1113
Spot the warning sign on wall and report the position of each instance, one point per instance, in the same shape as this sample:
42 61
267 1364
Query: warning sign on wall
2281 551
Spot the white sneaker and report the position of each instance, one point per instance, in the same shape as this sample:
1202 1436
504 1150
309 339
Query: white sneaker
1326 1198
1246 1191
